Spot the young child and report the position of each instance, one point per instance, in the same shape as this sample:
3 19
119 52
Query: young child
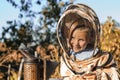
78 34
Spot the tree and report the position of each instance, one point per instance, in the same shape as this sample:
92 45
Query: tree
34 26
27 29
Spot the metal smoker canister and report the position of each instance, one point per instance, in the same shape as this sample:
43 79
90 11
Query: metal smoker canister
31 69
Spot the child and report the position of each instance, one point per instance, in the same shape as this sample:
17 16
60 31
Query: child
78 35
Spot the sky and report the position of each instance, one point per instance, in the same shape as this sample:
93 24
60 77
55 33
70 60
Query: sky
103 8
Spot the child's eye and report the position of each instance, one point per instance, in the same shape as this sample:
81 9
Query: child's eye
81 39
72 37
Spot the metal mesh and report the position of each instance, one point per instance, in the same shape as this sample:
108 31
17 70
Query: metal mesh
31 71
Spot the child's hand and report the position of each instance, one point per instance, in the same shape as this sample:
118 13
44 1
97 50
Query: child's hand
90 76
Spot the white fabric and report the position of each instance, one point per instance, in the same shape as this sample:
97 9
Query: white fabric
64 69
85 54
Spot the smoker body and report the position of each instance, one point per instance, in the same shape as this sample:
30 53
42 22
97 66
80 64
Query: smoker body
31 69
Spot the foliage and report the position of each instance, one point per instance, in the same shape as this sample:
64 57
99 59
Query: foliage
110 40
36 24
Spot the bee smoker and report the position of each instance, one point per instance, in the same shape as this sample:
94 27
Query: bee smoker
31 66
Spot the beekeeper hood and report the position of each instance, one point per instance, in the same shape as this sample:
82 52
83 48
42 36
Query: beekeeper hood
77 12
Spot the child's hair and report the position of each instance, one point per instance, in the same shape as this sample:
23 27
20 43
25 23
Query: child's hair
83 25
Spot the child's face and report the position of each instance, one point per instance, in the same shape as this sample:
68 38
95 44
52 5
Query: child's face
79 40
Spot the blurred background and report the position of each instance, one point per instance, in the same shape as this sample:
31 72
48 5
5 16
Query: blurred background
33 24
